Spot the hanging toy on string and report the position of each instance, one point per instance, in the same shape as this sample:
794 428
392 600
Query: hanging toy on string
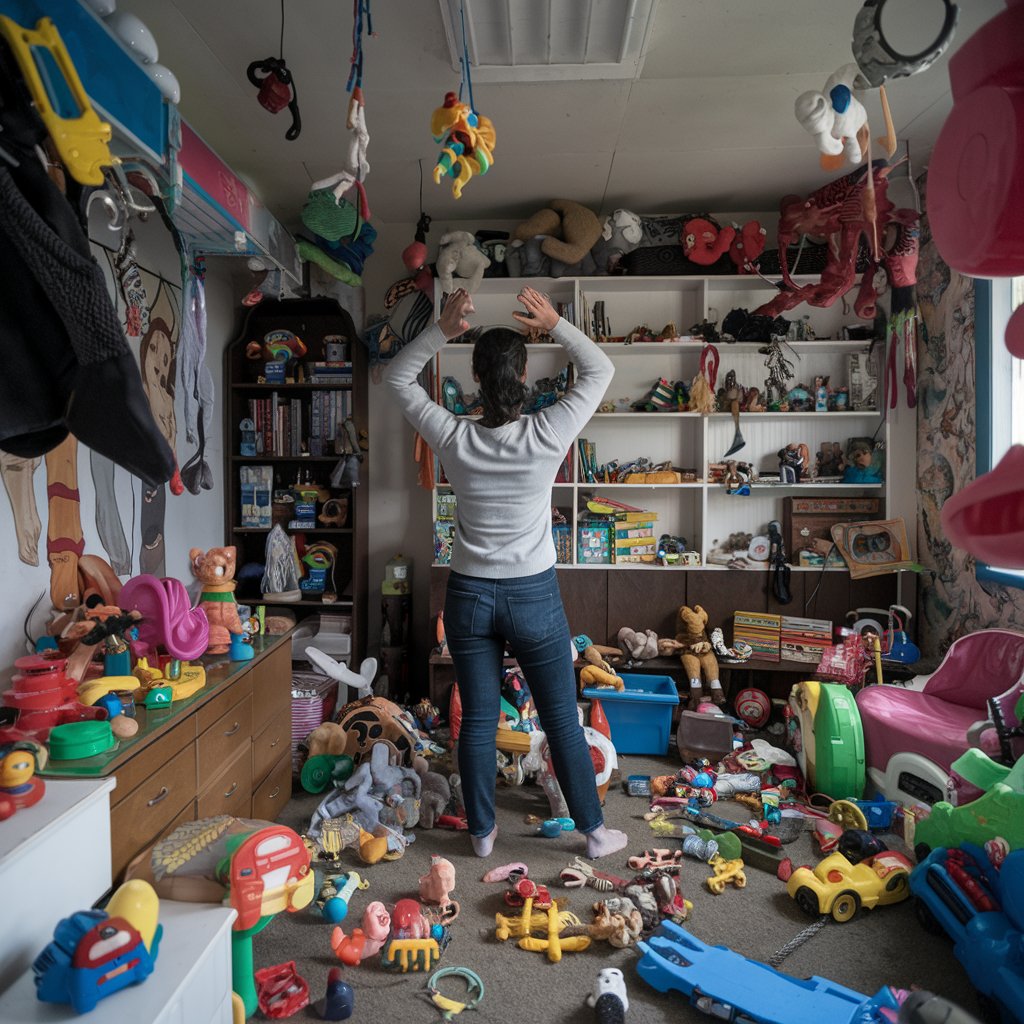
414 255
467 137
276 86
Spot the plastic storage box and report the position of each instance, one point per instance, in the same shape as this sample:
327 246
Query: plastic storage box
640 716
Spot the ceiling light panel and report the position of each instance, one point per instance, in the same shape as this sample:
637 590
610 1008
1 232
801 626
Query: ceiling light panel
550 40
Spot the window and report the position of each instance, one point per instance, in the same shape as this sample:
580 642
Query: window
1000 389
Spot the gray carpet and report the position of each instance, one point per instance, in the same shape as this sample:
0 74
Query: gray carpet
884 946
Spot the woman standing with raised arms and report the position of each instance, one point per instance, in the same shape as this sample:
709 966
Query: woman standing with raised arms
503 590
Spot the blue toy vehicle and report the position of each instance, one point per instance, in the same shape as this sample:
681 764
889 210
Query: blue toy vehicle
729 987
981 908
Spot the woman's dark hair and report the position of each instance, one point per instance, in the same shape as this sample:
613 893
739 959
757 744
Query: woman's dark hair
499 362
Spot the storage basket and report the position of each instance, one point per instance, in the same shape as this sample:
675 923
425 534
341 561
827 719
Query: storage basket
313 699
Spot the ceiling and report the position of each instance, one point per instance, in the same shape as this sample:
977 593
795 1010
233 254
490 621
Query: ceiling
706 125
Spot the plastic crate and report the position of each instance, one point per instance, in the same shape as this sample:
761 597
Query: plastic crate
640 716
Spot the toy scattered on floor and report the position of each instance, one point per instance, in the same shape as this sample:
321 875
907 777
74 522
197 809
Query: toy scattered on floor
980 906
837 887
619 930
451 1008
552 828
725 985
333 902
580 873
95 953
338 1002
437 884
608 997
20 787
366 941
506 872
281 990
550 923
416 944
727 872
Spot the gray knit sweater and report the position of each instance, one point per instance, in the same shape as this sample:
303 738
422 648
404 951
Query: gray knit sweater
502 476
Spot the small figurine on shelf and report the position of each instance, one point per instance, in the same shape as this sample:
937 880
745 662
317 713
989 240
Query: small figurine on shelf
860 468
792 462
736 481
215 569
20 759
821 394
829 459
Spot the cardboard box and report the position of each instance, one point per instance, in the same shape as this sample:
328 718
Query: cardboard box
805 520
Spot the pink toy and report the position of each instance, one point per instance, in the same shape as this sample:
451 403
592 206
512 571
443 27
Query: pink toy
912 737
748 244
168 618
366 941
409 921
437 884
503 873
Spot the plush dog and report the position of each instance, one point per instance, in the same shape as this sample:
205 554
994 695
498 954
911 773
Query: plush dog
460 256
697 655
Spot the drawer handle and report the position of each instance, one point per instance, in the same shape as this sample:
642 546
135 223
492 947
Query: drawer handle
231 790
160 796
233 729
275 743
270 796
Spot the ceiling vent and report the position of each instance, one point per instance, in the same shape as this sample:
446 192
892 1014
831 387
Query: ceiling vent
549 40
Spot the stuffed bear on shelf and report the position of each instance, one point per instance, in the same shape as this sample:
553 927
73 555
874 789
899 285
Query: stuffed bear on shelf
693 646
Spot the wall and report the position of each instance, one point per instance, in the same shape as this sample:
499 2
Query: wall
191 520
952 601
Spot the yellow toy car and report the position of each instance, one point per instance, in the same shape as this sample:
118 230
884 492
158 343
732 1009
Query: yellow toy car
837 887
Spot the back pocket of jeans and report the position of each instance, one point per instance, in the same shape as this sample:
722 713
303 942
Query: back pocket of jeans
460 613
536 618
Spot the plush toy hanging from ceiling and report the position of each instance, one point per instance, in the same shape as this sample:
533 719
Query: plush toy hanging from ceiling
468 138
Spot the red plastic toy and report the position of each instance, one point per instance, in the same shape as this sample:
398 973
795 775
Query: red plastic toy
281 990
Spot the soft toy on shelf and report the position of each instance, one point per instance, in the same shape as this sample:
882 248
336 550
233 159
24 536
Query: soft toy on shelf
638 645
460 255
215 569
704 241
697 655
747 245
568 231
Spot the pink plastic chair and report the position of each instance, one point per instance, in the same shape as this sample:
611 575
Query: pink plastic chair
911 737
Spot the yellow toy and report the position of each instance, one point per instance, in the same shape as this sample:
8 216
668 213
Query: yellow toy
92 689
554 944
468 138
184 679
591 675
81 141
411 954
726 871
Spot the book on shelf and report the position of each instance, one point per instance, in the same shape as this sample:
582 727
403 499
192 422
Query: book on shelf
625 531
635 559
761 630
588 460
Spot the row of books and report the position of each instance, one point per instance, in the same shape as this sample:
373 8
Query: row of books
621 537
285 427
323 372
782 637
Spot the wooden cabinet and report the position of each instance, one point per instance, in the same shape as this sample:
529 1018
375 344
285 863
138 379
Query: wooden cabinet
225 751
299 435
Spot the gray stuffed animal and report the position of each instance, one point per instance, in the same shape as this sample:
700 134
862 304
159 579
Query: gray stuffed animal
459 256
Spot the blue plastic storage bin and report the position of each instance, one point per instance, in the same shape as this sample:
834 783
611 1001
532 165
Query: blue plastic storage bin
640 716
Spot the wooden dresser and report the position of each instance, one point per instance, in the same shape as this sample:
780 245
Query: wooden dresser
226 750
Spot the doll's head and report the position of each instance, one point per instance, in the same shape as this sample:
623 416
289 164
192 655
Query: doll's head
859 454
499 364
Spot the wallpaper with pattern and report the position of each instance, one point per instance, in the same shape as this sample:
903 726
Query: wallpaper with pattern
952 601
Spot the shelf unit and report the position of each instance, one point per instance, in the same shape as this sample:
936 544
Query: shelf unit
702 512
312 320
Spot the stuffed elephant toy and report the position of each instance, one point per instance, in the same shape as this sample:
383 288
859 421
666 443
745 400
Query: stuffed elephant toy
460 256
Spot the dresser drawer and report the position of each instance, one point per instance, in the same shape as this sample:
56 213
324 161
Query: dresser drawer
272 686
152 806
208 714
224 739
269 799
273 743
150 759
230 792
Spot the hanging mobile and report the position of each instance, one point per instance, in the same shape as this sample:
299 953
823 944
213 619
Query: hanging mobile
276 86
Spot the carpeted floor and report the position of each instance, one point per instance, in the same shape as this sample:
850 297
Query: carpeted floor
884 946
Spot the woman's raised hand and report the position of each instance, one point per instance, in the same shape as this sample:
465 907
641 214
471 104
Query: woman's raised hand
457 307
539 311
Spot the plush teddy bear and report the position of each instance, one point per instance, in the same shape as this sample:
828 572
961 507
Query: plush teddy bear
459 255
216 571
697 655
638 645
569 229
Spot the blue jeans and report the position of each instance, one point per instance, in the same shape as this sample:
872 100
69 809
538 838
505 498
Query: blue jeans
481 617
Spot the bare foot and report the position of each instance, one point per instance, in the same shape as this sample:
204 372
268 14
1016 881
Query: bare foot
482 845
604 840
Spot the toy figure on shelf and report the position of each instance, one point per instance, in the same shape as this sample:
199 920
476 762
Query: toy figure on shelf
20 759
793 461
780 373
859 468
215 569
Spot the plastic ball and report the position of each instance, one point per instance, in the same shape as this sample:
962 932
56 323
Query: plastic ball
437 932
753 707
335 909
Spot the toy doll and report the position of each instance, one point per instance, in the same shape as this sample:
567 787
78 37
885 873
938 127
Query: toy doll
791 463
859 468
